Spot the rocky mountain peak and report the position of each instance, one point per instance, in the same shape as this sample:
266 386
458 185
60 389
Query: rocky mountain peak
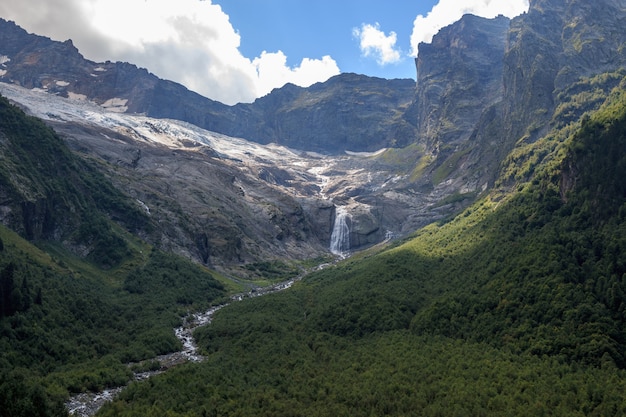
468 31
348 112
459 74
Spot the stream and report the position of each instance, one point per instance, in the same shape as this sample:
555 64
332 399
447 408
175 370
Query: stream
88 403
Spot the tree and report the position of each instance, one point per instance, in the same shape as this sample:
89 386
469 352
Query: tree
7 288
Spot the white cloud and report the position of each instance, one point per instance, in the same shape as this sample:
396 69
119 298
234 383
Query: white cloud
272 71
374 42
188 41
447 12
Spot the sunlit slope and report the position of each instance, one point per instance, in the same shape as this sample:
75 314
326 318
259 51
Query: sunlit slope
514 307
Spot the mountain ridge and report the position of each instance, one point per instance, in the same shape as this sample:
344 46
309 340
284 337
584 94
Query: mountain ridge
58 67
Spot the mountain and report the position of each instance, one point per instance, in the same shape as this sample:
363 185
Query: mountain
228 202
514 307
493 280
368 116
348 112
72 208
221 228
482 86
576 40
459 75
80 293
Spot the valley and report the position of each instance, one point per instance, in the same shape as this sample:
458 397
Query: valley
471 226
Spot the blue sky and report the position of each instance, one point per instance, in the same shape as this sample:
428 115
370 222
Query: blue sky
238 50
325 27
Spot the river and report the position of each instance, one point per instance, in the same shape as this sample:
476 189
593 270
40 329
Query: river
87 404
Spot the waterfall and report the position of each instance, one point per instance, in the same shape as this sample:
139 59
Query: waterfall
340 238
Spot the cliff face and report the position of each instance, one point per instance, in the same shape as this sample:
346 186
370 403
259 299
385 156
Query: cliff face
459 74
456 111
348 112
485 85
551 48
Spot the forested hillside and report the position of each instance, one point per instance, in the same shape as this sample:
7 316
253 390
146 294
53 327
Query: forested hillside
83 296
514 307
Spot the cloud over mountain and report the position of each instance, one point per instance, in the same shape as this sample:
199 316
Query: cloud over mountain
374 42
188 41
196 43
449 11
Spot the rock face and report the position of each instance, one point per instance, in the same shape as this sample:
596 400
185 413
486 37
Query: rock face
459 81
484 85
552 47
348 112
459 75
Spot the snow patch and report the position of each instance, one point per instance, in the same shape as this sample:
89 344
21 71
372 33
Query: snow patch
3 73
4 59
144 206
99 69
302 166
314 154
366 154
62 83
116 105
76 96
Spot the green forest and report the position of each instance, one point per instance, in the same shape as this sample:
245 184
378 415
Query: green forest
514 307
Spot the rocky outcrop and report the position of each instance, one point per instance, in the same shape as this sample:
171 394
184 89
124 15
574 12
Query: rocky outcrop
552 47
457 107
485 85
366 227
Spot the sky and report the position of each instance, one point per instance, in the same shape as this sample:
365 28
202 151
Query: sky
238 50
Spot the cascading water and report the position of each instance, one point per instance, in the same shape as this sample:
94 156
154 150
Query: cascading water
340 237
